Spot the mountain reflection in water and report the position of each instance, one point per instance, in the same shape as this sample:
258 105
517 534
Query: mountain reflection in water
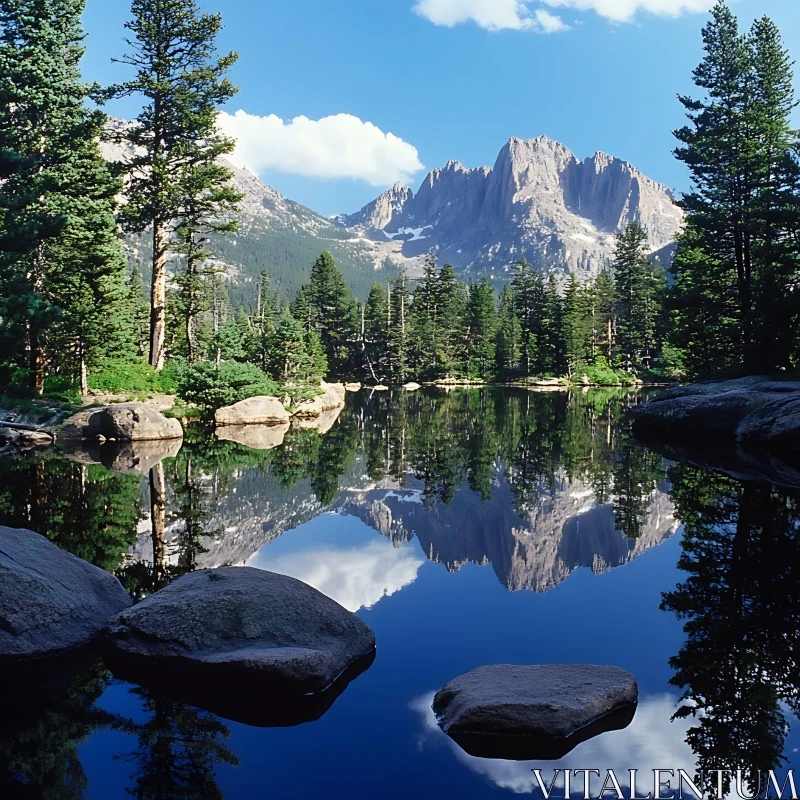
467 527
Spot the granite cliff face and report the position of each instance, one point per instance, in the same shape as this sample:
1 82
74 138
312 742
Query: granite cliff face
538 201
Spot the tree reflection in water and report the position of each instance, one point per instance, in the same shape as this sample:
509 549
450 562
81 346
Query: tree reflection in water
741 610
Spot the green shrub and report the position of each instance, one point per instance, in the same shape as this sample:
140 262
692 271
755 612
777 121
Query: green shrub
116 377
119 377
602 374
211 387
59 387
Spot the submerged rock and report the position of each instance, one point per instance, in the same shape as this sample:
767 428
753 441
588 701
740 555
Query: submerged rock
261 410
534 711
256 437
411 386
50 601
352 387
252 632
132 422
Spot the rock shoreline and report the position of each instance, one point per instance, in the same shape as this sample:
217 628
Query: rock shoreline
756 413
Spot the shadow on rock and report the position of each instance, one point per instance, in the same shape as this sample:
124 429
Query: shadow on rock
538 748
248 703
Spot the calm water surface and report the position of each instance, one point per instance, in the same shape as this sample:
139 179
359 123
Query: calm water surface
467 528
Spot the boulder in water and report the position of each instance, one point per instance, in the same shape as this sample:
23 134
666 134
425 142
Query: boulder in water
51 602
239 633
534 711
261 410
134 422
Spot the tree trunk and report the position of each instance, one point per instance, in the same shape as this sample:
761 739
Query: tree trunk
84 378
158 299
37 362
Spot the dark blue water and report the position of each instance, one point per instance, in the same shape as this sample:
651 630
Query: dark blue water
470 547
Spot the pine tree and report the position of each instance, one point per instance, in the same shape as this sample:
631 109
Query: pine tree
576 326
529 301
333 312
174 184
737 260
483 330
776 207
425 356
139 310
551 343
636 302
398 328
376 329
604 315
61 264
509 336
451 318
297 355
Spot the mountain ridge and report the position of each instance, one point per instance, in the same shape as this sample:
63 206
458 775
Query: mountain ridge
538 201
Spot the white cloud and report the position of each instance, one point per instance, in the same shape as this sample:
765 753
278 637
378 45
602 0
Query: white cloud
355 577
493 15
626 10
341 146
650 742
549 23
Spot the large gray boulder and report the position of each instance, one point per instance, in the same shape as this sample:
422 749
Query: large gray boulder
50 601
259 410
137 422
555 705
331 398
754 412
246 628
703 416
83 426
774 426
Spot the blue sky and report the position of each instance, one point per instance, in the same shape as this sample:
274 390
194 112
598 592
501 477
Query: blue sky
392 88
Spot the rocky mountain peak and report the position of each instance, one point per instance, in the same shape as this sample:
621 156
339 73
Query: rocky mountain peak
539 200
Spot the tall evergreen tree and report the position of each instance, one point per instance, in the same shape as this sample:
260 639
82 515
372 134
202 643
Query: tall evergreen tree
636 302
397 339
483 330
551 342
376 329
424 317
736 262
62 287
333 312
509 336
576 330
529 301
604 317
452 320
173 181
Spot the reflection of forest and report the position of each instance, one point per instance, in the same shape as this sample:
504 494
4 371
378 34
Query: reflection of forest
740 604
538 484
174 748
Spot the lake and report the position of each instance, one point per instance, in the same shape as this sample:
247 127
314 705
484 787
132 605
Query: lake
466 527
